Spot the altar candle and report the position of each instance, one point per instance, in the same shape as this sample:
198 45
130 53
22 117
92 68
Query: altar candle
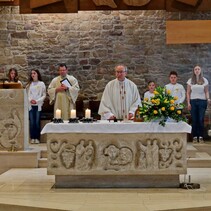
73 113
58 114
88 113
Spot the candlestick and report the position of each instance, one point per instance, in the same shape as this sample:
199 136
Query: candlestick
58 114
88 113
73 113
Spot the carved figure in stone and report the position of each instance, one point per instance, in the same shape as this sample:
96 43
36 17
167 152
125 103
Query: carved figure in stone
160 155
67 156
137 3
109 3
171 154
10 128
155 154
80 149
88 156
148 155
166 158
117 157
84 155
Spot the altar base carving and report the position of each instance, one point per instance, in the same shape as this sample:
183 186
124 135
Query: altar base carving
117 160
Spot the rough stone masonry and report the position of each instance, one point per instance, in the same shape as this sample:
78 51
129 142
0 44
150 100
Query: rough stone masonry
92 43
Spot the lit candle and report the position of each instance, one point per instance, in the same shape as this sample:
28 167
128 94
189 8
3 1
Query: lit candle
58 114
73 113
88 113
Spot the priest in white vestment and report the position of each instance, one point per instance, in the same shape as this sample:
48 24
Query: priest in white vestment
120 98
63 92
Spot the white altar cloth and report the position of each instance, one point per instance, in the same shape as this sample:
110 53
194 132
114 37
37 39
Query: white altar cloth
117 127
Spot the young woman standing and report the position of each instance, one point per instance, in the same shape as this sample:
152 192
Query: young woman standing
36 91
197 98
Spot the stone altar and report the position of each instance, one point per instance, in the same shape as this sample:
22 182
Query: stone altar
116 154
13 120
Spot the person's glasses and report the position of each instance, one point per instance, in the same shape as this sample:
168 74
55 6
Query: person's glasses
120 72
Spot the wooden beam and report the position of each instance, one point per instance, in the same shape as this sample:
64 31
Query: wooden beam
109 3
71 5
186 32
152 5
189 2
9 3
41 3
178 5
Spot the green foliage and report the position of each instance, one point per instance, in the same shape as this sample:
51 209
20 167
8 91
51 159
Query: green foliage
161 107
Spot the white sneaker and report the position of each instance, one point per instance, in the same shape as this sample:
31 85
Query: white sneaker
36 141
195 141
201 140
32 141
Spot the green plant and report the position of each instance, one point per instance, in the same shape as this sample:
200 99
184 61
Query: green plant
161 107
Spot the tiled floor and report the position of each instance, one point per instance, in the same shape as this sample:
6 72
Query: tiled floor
33 188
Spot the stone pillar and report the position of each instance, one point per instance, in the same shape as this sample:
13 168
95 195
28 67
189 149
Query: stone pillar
14 127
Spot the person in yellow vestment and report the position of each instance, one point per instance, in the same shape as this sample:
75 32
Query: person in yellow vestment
63 92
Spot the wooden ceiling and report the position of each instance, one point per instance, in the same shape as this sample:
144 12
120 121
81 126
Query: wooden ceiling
70 6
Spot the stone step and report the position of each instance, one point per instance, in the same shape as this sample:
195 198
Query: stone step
43 153
20 159
191 151
42 163
202 155
199 162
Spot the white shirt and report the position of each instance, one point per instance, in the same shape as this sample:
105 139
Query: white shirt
148 95
36 91
177 90
197 91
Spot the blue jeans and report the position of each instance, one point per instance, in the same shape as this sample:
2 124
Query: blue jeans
198 108
34 122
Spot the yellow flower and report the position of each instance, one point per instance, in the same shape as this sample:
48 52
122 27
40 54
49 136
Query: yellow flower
153 101
146 99
166 101
168 92
175 98
157 101
172 101
156 92
163 109
179 111
155 112
172 108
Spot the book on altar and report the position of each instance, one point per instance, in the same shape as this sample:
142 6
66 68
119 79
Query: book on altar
66 82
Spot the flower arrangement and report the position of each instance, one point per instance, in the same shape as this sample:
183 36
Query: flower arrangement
161 107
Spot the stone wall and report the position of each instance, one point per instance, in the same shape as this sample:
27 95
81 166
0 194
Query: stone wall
92 43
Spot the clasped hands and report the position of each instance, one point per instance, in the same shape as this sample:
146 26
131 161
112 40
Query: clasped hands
62 88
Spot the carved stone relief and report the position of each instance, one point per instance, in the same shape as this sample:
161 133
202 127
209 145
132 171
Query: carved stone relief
117 158
10 128
70 156
113 156
9 94
160 154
